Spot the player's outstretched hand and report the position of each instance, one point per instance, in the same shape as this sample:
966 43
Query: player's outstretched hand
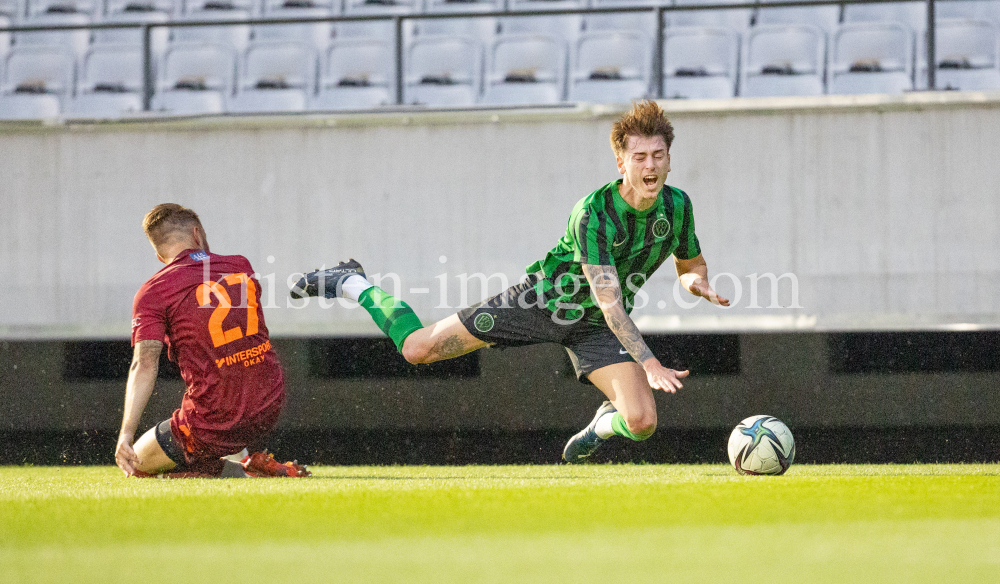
701 288
125 457
664 378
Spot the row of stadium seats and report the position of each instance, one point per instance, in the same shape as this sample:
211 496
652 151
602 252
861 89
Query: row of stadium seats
447 71
913 14
99 9
219 69
569 27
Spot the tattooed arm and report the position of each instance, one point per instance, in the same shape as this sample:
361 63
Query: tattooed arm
608 295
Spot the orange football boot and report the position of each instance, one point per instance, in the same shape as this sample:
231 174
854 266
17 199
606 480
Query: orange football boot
262 464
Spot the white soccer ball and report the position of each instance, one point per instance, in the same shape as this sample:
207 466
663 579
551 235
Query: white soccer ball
761 445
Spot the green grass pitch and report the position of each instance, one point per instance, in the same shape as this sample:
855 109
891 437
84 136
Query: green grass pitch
547 524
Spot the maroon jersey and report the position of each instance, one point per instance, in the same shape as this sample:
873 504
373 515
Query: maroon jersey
206 308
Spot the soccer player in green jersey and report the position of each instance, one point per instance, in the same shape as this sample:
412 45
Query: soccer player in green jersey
580 295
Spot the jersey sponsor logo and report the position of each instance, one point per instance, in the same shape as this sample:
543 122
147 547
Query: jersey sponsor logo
135 323
621 238
251 356
199 256
661 227
484 322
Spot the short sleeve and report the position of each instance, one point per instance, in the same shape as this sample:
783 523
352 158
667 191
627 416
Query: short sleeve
590 238
687 242
149 321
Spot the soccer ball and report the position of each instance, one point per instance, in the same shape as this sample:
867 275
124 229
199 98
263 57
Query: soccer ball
761 445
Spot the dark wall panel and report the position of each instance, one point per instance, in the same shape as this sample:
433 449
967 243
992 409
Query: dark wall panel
806 379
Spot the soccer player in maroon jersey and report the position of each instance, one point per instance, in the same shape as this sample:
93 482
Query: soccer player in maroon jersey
206 309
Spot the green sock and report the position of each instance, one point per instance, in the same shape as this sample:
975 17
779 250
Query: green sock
396 319
618 425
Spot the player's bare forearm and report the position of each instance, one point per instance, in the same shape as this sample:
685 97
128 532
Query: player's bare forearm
693 274
624 328
691 271
608 293
141 381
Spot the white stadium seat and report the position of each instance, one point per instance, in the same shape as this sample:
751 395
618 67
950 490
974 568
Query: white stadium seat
644 22
700 62
318 34
381 7
196 78
567 27
333 7
526 70
988 10
114 68
912 14
967 55
871 58
611 67
236 37
78 41
258 101
277 76
17 106
444 71
4 38
784 60
110 83
251 7
826 17
13 9
381 29
189 103
37 82
357 74
965 9
88 7
39 69
737 19
482 28
282 63
159 36
171 7
104 105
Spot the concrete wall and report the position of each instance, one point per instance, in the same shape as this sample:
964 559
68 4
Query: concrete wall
885 209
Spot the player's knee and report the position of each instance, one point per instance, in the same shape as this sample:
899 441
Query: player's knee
416 352
642 424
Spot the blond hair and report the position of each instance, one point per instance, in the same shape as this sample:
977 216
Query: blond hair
168 219
646 118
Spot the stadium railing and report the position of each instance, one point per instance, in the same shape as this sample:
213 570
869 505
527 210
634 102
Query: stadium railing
399 20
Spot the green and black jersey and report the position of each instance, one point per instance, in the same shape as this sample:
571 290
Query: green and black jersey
605 230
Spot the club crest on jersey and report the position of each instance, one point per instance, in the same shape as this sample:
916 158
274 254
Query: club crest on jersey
199 256
661 227
484 322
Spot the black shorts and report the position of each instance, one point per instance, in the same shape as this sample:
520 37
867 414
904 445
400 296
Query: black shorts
514 318
165 438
